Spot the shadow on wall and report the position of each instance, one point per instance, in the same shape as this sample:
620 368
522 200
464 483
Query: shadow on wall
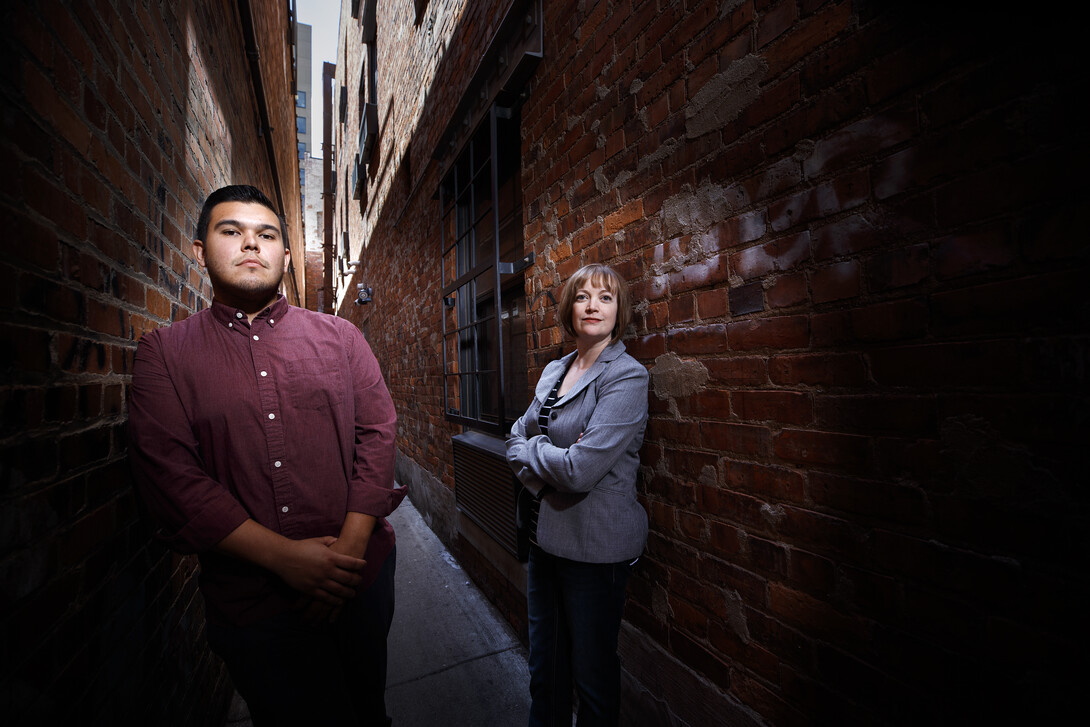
118 120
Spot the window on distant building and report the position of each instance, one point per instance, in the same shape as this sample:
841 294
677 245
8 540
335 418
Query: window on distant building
301 99
372 73
300 124
484 322
421 6
302 149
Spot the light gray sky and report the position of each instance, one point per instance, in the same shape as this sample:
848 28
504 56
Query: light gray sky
322 16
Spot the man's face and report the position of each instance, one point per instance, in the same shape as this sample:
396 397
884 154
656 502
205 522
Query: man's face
244 255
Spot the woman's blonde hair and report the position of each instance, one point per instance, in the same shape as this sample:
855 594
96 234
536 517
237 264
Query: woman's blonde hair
600 276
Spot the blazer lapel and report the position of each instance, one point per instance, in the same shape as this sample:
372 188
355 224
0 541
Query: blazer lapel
546 383
604 358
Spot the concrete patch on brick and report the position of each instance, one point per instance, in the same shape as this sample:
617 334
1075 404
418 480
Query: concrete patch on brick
725 96
660 605
773 514
694 211
736 616
666 150
673 378
603 183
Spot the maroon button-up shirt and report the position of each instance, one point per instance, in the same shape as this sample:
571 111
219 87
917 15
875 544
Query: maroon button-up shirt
287 421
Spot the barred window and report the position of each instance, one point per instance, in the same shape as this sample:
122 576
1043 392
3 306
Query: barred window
484 321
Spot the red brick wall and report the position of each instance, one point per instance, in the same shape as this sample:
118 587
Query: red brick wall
116 124
850 233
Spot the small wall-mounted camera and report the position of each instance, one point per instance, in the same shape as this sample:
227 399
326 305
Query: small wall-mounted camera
363 294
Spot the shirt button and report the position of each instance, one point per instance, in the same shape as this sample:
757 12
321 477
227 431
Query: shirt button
238 314
264 373
284 509
272 416
256 338
272 321
276 463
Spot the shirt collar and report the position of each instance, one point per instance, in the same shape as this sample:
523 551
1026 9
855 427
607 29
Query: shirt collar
235 318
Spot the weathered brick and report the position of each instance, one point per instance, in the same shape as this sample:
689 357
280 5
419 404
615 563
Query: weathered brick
711 304
758 333
830 370
894 321
826 449
974 253
32 242
707 403
838 195
784 407
682 310
787 291
746 299
699 275
861 140
877 413
774 256
893 503
776 22
778 484
835 282
698 339
741 439
738 370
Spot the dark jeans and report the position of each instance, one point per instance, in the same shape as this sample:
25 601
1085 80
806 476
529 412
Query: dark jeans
293 672
575 615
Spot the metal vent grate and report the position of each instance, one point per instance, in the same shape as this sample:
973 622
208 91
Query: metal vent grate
485 487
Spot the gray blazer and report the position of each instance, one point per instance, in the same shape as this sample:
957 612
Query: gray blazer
589 510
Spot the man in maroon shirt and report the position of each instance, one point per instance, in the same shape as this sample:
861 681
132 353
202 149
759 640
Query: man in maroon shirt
262 438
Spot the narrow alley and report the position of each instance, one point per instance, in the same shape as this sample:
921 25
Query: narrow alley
453 660
851 235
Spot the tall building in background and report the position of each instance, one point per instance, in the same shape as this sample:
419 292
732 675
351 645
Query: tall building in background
303 100
310 184
310 168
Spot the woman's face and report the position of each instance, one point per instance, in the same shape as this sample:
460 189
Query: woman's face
594 313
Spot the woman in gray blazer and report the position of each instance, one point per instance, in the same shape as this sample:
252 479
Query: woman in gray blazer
576 450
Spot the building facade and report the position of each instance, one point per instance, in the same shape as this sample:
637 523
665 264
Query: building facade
118 119
313 204
304 98
849 229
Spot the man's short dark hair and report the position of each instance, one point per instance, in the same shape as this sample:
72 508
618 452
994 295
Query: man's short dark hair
238 193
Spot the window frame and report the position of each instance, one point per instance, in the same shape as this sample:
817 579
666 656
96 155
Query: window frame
504 277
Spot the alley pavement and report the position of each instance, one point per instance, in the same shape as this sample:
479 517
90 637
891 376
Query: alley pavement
454 661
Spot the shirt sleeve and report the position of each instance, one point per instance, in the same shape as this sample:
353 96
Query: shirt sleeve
371 486
620 414
193 512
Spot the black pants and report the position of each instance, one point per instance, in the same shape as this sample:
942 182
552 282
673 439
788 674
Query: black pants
292 672
575 614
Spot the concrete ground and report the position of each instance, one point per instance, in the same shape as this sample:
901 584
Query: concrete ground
454 662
